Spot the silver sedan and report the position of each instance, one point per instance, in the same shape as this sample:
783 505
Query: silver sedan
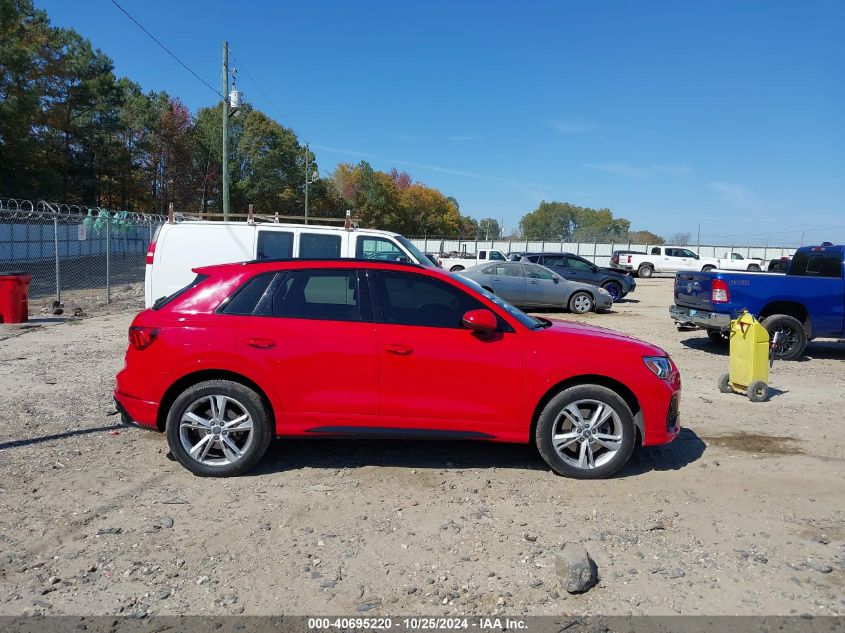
531 285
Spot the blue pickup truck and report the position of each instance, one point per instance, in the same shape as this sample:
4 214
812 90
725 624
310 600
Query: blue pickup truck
806 303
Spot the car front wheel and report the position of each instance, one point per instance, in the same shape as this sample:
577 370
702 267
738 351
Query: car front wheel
614 289
219 428
581 303
585 432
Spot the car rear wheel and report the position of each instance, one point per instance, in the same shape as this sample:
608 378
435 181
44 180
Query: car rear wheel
219 428
645 271
586 432
792 337
581 303
614 289
455 269
754 268
707 269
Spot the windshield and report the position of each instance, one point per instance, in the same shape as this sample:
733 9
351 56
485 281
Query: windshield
421 257
519 315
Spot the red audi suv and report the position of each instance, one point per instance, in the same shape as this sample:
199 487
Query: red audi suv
350 348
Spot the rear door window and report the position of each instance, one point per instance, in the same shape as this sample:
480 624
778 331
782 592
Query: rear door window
319 246
330 295
275 245
816 264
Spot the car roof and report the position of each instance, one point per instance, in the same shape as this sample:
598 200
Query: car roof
297 263
828 248
275 225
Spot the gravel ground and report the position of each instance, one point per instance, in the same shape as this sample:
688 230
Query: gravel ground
743 514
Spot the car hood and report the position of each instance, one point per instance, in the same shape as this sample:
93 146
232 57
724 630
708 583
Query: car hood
602 335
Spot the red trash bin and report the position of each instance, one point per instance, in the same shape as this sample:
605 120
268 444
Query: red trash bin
14 297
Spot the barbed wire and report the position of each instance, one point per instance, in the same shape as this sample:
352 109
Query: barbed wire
20 209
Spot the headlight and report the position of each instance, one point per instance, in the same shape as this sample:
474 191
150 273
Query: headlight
602 291
660 365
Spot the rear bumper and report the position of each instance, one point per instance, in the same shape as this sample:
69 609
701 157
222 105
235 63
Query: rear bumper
136 411
682 315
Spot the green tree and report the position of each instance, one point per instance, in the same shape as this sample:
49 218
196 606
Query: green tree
489 229
644 237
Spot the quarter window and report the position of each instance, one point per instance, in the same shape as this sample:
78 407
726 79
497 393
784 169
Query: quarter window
816 264
319 245
248 297
422 301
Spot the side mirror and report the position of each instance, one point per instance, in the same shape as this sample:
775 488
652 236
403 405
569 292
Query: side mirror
481 321
557 279
697 256
595 269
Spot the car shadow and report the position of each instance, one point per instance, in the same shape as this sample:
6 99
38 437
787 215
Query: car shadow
829 350
295 454
683 451
704 344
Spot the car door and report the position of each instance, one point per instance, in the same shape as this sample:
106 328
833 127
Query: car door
542 286
438 377
583 271
507 281
310 333
675 260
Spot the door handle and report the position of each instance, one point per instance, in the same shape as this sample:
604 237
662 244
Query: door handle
261 343
399 350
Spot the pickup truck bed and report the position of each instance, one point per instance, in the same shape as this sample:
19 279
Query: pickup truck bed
806 303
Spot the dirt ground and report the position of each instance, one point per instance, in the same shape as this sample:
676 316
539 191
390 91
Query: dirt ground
743 514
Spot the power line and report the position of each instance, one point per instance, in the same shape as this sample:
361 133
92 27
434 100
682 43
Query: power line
167 50
260 90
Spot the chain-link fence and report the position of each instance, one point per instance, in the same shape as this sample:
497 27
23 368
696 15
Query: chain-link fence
78 254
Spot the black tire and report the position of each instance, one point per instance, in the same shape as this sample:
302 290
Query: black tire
245 398
549 418
754 268
455 269
758 391
719 337
725 383
614 289
793 336
708 268
581 302
645 271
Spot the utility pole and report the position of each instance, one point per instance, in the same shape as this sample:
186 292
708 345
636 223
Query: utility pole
309 178
225 85
699 238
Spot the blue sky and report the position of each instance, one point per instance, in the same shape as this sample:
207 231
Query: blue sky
731 114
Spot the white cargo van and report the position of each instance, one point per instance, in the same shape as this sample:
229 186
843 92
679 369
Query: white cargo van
179 247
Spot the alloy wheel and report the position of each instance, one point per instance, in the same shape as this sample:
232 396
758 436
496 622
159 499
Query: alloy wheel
216 430
587 434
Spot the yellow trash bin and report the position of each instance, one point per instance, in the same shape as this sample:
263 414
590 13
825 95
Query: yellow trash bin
749 359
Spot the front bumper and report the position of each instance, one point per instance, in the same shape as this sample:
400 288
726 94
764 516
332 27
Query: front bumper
603 302
682 315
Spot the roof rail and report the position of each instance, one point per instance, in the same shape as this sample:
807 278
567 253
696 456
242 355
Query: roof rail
360 260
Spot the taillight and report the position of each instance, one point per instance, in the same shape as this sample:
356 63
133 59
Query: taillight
630 257
150 252
719 292
142 337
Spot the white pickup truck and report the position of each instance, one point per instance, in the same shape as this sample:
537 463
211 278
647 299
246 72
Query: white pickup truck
735 261
664 259
466 260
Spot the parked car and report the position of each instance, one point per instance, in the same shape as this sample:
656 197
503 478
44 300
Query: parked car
348 348
534 286
664 259
806 303
459 261
576 268
179 247
735 261
779 264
